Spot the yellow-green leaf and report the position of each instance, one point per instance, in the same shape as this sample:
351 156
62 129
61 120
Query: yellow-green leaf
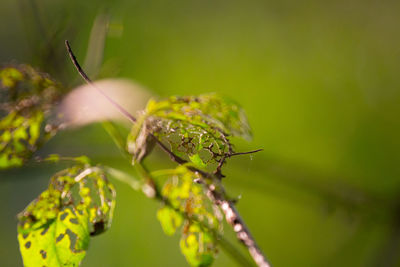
196 159
54 230
199 247
63 241
170 220
27 97
186 196
196 128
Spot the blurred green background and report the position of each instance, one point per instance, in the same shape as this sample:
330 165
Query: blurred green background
319 81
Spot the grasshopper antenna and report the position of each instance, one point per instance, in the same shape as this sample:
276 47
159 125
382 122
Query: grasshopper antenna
89 81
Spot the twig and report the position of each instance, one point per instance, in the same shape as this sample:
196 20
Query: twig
245 153
89 81
135 184
173 157
232 215
218 170
139 185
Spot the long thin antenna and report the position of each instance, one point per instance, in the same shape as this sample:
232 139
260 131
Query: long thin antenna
89 81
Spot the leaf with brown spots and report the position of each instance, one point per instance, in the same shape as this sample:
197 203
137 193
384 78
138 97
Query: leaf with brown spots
26 99
55 229
58 243
198 243
196 128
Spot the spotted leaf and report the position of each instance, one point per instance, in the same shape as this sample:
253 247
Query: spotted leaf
62 241
194 128
26 98
54 230
170 219
201 221
198 246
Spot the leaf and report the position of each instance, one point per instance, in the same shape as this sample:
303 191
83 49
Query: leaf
198 246
54 229
56 158
26 97
18 138
195 128
201 217
196 159
170 220
61 242
189 197
208 110
10 76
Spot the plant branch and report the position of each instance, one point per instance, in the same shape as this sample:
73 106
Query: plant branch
89 81
245 153
173 157
139 185
232 216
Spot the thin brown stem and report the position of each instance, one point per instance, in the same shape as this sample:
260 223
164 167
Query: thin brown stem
245 153
89 81
233 217
218 171
173 157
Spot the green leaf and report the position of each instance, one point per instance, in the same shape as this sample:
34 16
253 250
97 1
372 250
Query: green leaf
198 246
56 158
208 111
190 197
26 97
170 220
10 76
61 242
18 138
194 128
196 159
54 229
201 218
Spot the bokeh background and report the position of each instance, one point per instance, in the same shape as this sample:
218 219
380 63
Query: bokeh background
321 86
